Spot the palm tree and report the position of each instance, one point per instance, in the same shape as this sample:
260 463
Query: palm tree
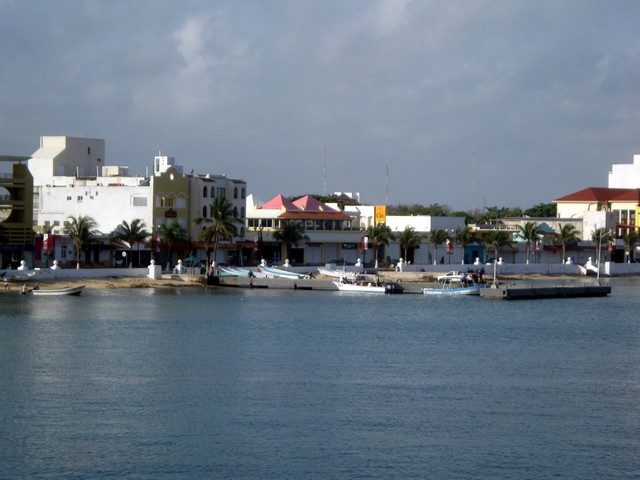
465 236
290 233
135 232
437 237
497 239
221 225
530 232
409 239
80 230
172 234
600 236
379 234
567 235
630 239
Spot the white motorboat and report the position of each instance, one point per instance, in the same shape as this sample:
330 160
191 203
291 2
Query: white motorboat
75 291
363 286
454 285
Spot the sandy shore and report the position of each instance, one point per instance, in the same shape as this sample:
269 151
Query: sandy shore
110 282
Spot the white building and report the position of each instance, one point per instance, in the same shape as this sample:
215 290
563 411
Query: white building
624 175
71 179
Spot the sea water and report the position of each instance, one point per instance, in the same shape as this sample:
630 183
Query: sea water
241 383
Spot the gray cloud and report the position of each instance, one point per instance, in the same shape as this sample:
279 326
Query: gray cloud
544 92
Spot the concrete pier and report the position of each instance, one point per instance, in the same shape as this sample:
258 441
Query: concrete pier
530 293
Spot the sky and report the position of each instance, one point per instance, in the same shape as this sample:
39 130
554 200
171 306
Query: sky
470 104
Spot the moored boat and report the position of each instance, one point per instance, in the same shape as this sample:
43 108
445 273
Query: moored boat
336 273
276 272
454 285
359 285
75 291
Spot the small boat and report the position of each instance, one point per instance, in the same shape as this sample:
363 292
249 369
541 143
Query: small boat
336 273
20 277
75 291
454 285
276 272
360 285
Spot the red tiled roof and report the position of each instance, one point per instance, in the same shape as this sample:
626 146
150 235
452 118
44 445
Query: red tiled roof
602 194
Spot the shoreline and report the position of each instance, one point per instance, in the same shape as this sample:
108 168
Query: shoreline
191 281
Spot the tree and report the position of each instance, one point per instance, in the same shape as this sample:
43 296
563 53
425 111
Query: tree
437 237
291 232
600 236
135 232
630 239
542 210
379 234
221 225
409 239
567 235
530 232
465 236
81 230
497 239
172 235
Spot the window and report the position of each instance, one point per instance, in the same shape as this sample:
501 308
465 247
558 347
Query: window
235 192
244 193
242 212
242 232
167 202
181 203
79 198
204 192
221 192
139 201
69 198
235 212
204 211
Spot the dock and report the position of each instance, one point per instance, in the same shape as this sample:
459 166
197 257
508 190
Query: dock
530 293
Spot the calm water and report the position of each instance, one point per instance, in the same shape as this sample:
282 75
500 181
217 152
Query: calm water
195 383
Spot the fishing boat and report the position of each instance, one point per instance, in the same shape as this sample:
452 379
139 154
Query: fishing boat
454 285
75 291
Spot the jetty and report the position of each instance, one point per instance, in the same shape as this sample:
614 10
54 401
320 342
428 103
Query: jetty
517 292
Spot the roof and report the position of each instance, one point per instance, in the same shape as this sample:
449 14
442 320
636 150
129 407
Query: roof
602 194
279 203
311 204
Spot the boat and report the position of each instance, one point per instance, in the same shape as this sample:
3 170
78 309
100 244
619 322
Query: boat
455 285
20 277
276 272
360 285
75 291
336 273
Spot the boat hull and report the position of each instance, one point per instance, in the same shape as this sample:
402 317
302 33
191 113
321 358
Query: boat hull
452 291
74 291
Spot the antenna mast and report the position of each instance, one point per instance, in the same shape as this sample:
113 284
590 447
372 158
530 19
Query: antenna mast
324 171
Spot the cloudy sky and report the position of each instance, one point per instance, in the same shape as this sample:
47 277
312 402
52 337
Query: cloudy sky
469 103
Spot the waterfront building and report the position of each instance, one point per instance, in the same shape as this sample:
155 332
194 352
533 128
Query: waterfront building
336 232
71 178
16 206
